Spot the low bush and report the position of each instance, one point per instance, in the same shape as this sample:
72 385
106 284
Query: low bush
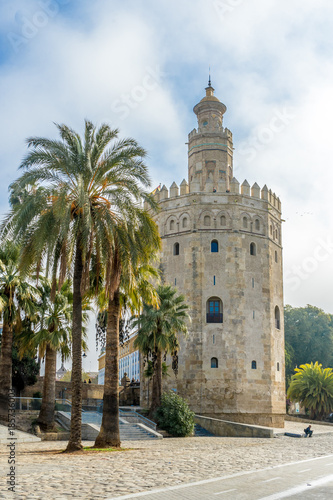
174 415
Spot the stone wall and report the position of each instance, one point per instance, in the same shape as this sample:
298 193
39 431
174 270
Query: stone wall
64 390
224 428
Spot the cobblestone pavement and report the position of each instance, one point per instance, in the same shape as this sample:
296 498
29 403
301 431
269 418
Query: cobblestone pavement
44 473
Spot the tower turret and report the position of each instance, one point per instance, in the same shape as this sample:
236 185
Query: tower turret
210 148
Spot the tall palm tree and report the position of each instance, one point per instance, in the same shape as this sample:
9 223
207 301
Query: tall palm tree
158 328
17 299
81 191
133 287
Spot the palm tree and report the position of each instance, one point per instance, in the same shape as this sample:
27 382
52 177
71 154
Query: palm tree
51 334
54 335
17 299
157 333
81 191
313 387
148 373
133 287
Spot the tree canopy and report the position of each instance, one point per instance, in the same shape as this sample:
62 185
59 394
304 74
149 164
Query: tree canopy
309 337
78 198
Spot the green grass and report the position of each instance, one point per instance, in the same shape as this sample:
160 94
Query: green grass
91 448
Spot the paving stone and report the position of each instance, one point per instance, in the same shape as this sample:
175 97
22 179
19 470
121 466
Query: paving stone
150 464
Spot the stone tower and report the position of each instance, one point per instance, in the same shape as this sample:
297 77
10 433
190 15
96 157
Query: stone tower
210 149
222 249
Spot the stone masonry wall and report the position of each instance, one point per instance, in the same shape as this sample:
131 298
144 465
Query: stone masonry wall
250 287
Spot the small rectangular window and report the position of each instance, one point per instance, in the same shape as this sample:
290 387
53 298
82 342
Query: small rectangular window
214 280
213 339
252 282
175 281
254 314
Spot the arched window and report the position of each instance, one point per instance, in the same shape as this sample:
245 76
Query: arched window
207 220
184 223
278 367
257 224
254 365
172 225
271 229
214 310
214 246
277 317
253 249
176 249
223 220
276 256
245 222
214 363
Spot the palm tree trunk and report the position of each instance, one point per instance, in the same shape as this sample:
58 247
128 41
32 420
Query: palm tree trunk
109 433
157 384
74 442
46 414
5 370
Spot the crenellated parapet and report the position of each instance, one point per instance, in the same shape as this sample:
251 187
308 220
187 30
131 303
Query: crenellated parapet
222 131
235 188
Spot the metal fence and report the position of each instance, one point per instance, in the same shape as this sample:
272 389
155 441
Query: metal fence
36 403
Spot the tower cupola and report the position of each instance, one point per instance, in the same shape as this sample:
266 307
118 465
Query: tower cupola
210 110
210 148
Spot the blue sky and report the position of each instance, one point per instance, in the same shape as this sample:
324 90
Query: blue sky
143 65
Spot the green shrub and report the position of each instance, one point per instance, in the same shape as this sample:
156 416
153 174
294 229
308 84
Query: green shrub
174 415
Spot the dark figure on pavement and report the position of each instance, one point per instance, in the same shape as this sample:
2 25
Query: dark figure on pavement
308 431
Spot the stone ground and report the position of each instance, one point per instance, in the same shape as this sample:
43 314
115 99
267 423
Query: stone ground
44 473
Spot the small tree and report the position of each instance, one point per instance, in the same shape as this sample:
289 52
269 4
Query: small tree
313 387
17 302
158 330
174 415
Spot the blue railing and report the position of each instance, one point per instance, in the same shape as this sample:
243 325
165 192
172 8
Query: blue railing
134 417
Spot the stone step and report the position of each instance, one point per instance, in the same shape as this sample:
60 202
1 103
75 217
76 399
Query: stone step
91 423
